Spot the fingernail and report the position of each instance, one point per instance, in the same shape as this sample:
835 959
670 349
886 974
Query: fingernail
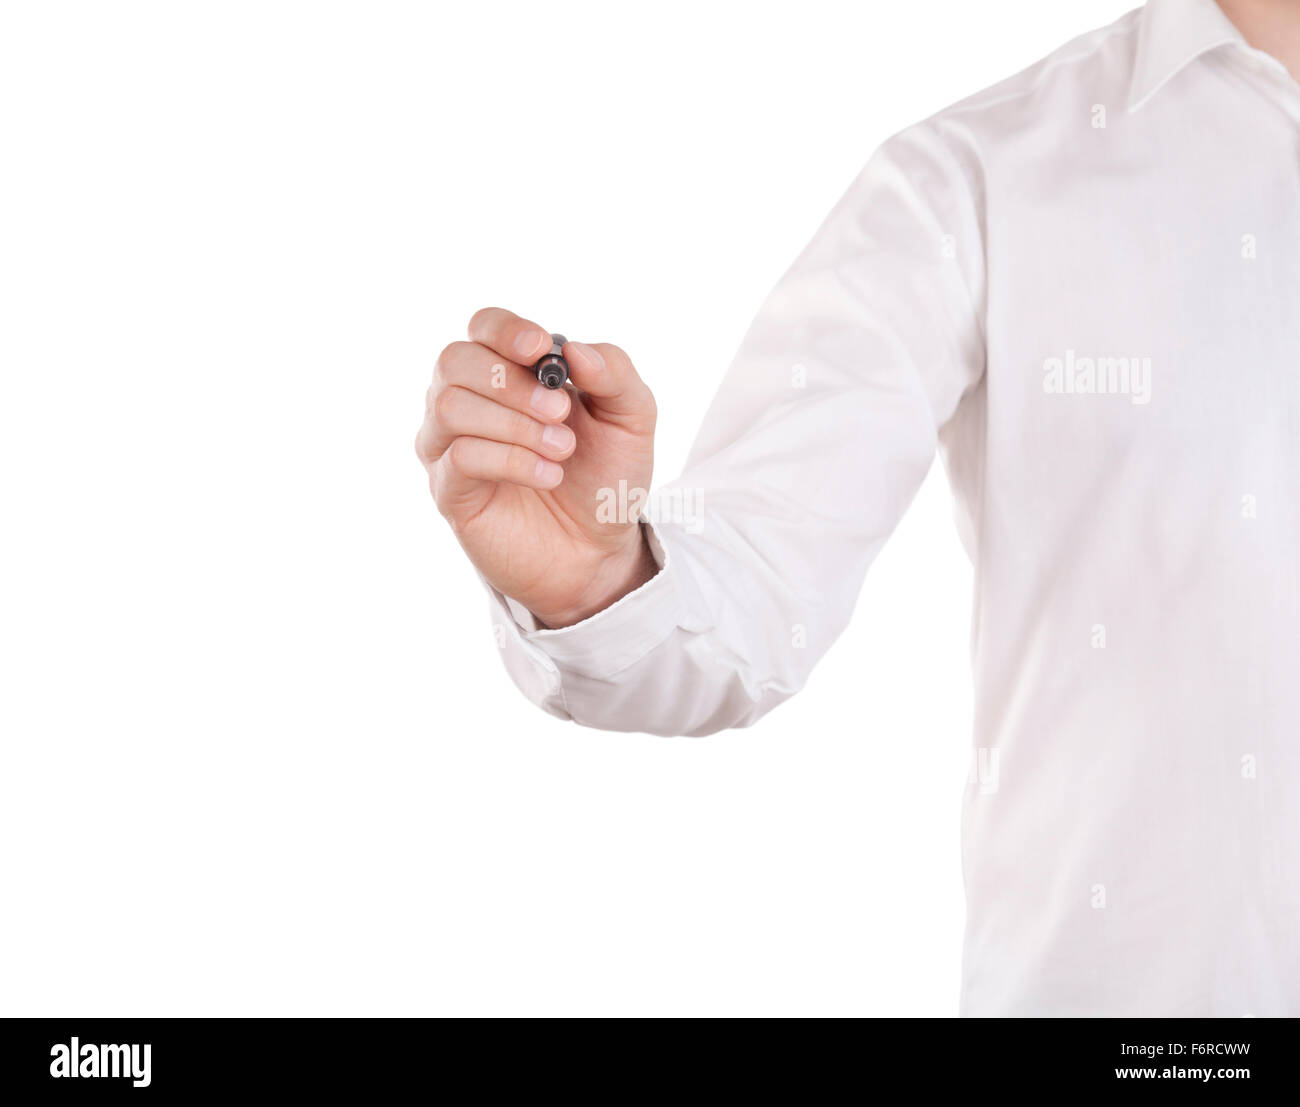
529 345
551 402
548 473
558 437
592 355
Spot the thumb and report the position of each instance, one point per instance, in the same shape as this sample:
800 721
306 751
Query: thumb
615 390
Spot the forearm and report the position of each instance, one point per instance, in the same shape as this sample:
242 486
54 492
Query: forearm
817 440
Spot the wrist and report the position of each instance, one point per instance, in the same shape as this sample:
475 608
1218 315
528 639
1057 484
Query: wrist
613 578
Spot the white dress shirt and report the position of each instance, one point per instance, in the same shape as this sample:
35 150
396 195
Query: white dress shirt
1082 287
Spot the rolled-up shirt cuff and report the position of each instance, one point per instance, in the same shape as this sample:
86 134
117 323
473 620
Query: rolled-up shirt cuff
616 637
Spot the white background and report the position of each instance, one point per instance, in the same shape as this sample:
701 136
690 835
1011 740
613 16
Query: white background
258 755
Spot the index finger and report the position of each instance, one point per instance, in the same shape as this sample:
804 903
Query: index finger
510 336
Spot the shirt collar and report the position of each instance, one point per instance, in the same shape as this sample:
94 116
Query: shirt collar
1171 35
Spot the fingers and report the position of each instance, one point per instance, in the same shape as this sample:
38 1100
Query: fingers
469 463
510 336
457 411
606 373
480 369
488 420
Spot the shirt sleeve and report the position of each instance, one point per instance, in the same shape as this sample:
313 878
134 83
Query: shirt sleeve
818 438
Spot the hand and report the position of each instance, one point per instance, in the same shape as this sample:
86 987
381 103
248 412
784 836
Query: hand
517 469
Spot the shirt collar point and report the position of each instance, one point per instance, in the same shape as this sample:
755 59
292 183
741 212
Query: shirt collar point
1171 35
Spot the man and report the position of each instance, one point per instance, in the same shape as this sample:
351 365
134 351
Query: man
1082 286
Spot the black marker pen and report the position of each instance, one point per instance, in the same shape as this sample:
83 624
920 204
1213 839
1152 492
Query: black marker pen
551 369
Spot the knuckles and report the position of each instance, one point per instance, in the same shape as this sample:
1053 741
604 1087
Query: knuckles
521 428
454 455
520 463
476 320
444 404
451 354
